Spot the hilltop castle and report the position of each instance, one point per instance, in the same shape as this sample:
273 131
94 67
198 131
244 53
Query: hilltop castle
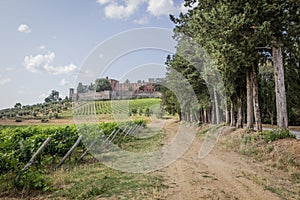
119 90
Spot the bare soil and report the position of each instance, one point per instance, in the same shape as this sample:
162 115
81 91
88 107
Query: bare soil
64 121
222 175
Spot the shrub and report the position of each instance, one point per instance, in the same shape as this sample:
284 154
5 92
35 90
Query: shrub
19 120
44 120
269 136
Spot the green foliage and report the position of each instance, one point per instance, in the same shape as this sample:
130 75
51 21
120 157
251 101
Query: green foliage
18 144
238 35
37 111
269 136
53 97
33 179
102 84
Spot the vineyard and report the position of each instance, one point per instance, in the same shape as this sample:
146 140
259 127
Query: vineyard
131 107
20 167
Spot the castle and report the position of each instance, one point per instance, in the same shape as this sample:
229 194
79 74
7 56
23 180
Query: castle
126 90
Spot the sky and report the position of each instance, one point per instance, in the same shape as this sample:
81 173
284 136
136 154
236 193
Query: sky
49 44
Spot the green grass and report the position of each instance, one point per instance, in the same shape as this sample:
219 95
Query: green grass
211 129
96 180
144 144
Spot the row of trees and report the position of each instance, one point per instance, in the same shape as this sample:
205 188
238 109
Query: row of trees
51 108
243 39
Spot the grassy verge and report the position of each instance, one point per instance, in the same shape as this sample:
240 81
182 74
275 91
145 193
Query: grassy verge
277 152
96 181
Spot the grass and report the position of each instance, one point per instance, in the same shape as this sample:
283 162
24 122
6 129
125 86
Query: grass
144 144
211 129
275 150
98 181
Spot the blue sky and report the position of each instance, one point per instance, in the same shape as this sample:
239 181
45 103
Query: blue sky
44 43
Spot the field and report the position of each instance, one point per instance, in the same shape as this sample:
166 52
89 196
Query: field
20 139
264 165
18 144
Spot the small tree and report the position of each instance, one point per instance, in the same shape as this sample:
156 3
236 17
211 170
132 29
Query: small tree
53 97
18 106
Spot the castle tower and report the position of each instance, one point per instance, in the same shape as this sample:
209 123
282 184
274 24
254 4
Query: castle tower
71 94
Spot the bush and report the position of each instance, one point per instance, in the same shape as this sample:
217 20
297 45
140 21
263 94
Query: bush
33 179
269 136
19 120
44 120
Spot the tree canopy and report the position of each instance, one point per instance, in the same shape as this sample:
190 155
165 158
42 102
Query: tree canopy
241 37
102 84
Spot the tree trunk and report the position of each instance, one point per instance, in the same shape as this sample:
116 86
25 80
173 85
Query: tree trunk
213 113
202 116
216 107
257 115
227 115
240 113
205 121
232 115
249 99
281 108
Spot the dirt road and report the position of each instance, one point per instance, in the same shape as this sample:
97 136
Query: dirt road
220 175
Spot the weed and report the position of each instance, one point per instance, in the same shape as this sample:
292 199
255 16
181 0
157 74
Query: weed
296 177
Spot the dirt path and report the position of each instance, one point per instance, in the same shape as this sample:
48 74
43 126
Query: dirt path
220 175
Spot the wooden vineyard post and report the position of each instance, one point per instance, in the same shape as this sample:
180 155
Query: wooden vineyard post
116 133
69 152
130 129
112 138
91 145
134 129
120 137
96 140
34 156
103 143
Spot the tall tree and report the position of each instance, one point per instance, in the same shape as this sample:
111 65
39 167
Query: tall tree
282 25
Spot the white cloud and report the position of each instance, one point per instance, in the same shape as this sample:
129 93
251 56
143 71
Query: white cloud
42 47
101 2
57 70
162 7
24 28
43 63
4 81
123 9
116 11
35 63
